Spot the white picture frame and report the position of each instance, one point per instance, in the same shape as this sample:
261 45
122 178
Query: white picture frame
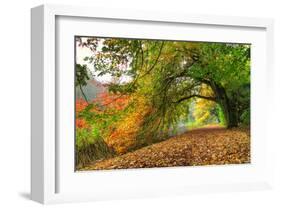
48 173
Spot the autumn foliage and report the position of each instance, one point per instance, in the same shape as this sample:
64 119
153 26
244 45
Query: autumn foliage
80 105
113 119
112 101
125 130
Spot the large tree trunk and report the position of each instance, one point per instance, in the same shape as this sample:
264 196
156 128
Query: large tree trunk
231 115
228 106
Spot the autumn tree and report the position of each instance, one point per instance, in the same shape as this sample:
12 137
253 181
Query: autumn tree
226 69
169 74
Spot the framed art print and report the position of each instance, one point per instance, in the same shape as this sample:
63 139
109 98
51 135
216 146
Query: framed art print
131 104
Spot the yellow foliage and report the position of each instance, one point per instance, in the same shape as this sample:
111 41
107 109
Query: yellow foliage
125 130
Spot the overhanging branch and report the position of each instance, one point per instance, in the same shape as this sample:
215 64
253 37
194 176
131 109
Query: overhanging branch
195 95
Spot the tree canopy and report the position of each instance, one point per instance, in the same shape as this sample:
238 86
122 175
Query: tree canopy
164 79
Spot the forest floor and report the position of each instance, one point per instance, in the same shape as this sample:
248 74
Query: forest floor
206 146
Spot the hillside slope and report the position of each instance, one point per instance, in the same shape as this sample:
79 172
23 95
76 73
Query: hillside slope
198 147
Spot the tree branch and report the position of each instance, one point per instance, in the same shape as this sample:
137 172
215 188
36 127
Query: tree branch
196 95
156 61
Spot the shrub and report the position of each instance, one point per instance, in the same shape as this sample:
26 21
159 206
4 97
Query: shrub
97 150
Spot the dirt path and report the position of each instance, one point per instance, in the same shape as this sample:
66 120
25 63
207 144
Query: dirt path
198 147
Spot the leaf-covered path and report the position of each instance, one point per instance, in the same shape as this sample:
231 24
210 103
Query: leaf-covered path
198 147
